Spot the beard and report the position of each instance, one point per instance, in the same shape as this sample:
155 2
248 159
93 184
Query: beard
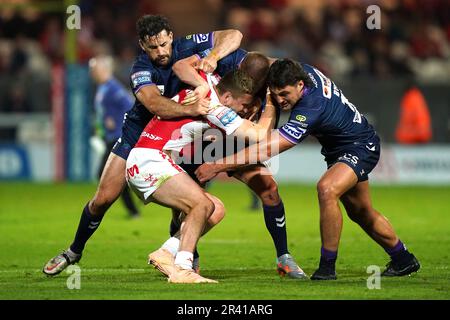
162 60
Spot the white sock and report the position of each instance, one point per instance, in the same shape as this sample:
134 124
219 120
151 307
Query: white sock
172 245
184 259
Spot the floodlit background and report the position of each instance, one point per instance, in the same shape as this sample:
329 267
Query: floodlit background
44 136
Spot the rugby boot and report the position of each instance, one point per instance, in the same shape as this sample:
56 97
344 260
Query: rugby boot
286 265
180 275
61 262
326 271
162 260
401 268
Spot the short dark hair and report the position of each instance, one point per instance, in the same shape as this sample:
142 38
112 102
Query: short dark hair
237 82
256 65
287 72
151 25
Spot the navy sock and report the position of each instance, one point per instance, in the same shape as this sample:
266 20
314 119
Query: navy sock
327 257
86 228
398 252
276 224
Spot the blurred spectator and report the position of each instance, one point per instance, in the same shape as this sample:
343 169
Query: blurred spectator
415 122
112 101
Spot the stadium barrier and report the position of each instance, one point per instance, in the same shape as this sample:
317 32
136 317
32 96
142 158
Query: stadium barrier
402 165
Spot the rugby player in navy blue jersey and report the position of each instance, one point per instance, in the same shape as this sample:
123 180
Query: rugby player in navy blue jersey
153 83
351 148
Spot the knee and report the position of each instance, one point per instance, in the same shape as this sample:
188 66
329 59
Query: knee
326 191
204 207
269 195
218 214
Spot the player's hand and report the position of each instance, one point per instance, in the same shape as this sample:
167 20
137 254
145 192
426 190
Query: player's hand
208 64
199 108
251 113
199 93
206 172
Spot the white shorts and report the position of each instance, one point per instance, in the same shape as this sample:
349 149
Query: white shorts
147 169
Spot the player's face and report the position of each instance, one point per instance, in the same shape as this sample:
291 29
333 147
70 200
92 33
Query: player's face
288 96
242 104
158 48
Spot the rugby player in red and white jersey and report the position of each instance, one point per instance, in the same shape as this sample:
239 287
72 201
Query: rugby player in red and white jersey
155 177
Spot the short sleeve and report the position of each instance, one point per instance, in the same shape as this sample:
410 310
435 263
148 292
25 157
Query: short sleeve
142 74
304 117
197 43
230 62
224 118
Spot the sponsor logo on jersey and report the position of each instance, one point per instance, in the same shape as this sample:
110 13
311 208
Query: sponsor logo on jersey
227 117
326 84
141 77
201 37
150 136
293 130
189 36
300 118
313 79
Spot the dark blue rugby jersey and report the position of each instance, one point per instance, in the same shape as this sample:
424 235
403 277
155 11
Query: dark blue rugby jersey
144 73
324 112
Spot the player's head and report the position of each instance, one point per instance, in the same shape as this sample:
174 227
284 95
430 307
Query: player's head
236 90
155 38
286 81
256 65
101 68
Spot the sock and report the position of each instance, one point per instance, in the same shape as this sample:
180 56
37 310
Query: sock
172 245
196 255
276 224
328 257
184 259
398 252
86 228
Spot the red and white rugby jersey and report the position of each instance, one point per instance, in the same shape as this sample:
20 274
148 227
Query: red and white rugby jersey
174 134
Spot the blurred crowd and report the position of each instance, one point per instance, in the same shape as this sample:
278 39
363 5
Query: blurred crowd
413 38
332 34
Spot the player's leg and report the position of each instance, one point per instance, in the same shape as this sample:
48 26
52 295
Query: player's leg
260 180
182 193
332 185
111 184
359 208
167 252
156 178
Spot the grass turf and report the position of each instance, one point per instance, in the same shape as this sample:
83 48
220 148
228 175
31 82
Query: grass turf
37 221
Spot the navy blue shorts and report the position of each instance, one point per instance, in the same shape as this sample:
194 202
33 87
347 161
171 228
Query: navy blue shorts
130 135
362 158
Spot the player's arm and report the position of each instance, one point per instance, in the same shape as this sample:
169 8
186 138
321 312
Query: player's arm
225 42
185 70
271 146
165 108
254 132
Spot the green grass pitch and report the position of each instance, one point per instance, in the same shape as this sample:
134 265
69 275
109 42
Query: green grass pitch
37 221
